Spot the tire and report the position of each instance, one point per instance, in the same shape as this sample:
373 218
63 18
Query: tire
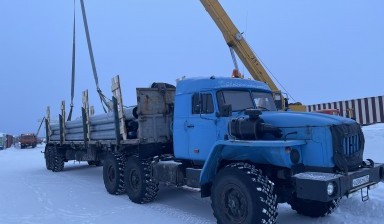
57 160
113 173
241 194
312 208
48 157
139 185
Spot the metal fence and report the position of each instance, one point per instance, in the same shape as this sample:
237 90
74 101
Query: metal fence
366 111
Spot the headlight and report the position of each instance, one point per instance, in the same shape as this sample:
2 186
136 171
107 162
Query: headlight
330 189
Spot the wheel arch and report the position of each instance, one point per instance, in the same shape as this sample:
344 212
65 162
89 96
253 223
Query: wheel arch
214 163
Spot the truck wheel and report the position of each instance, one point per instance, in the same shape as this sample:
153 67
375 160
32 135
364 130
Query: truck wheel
313 208
113 173
57 160
48 157
140 186
241 194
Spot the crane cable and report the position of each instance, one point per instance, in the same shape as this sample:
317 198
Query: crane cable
73 61
263 64
270 72
101 95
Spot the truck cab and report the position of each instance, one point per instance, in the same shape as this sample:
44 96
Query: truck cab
203 110
310 160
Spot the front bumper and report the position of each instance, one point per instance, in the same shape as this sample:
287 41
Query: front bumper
314 185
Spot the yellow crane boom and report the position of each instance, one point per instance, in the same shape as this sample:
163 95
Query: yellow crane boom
237 43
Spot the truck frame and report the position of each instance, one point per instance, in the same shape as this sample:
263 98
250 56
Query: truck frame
212 134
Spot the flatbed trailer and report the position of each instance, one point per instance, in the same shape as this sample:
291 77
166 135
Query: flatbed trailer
142 130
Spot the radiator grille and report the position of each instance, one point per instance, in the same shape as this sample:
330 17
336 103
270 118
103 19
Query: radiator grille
348 146
351 145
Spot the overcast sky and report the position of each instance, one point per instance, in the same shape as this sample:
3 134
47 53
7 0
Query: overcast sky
320 50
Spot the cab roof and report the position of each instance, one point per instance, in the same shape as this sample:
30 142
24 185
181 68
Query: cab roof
197 84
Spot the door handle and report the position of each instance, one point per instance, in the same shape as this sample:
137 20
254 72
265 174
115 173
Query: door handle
188 125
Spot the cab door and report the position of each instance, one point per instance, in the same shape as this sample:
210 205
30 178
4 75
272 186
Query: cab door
201 126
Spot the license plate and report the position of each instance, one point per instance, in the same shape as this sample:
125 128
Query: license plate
360 181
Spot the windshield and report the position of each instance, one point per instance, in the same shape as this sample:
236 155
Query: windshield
244 99
26 136
263 100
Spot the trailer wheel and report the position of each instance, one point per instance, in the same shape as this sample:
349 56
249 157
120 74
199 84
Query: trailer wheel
139 185
241 194
57 160
312 208
48 157
113 173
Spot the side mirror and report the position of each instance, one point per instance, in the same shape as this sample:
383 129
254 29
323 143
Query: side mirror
225 110
286 103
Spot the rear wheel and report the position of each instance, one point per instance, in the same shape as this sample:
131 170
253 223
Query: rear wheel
241 194
313 208
113 173
57 160
139 185
48 157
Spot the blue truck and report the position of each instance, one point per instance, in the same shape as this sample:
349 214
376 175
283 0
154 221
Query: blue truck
225 137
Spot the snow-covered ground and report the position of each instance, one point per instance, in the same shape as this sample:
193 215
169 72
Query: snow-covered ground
31 194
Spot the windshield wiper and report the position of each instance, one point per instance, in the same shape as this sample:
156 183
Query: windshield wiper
243 110
263 108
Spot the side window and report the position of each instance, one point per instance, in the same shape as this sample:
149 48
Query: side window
207 107
196 104
202 103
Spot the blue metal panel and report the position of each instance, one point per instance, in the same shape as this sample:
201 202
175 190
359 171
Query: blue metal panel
193 85
267 152
302 119
202 135
183 108
318 151
195 134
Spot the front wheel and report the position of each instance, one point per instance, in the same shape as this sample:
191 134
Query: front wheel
241 194
312 208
